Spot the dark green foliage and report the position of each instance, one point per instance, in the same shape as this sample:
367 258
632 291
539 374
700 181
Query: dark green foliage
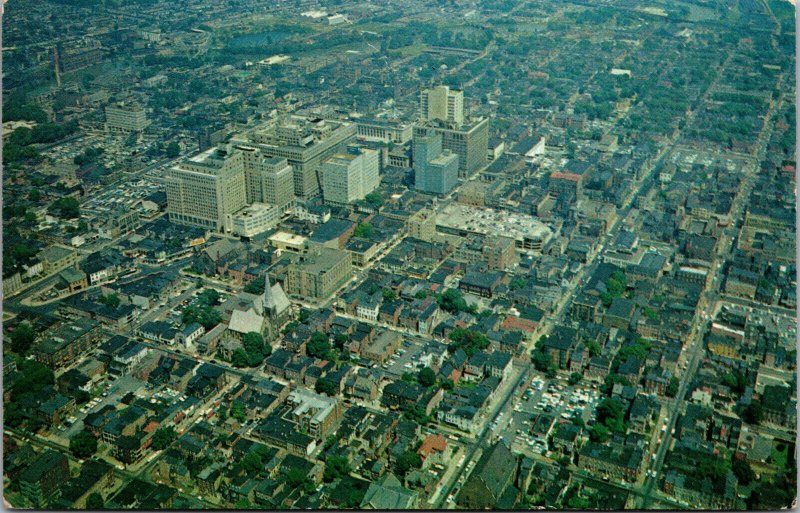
163 437
407 461
364 231
95 501
65 208
335 467
349 493
741 468
111 300
389 295
453 302
470 341
173 150
426 377
256 286
374 199
319 346
83 444
326 386
89 156
673 386
541 361
611 414
21 338
575 378
237 411
753 413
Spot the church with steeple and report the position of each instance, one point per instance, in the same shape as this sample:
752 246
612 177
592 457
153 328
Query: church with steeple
264 314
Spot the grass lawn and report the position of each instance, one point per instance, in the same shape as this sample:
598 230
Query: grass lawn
780 458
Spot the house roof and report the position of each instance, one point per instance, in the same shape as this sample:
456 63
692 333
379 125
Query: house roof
388 493
246 321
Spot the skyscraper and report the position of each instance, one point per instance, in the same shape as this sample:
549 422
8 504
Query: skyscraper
349 177
204 189
304 143
268 179
443 104
469 141
435 170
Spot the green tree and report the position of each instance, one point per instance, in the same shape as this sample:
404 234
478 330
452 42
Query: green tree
318 345
426 377
335 467
237 411
470 341
252 462
66 208
541 361
94 501
374 199
83 444
753 413
575 378
239 358
741 468
363 230
22 337
173 150
389 295
453 302
111 300
163 437
326 386
34 195
407 461
673 386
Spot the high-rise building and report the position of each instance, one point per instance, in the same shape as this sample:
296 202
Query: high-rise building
304 143
268 179
469 142
126 118
442 103
349 177
204 189
435 170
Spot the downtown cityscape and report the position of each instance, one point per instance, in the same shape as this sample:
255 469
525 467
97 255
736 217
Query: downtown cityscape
423 254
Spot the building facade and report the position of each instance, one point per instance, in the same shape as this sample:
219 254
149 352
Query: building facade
204 190
349 177
435 170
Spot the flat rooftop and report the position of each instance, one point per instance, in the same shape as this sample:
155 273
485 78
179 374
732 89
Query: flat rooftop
487 221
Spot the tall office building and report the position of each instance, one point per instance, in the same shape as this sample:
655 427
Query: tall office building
203 190
268 179
442 103
349 177
469 142
304 143
435 170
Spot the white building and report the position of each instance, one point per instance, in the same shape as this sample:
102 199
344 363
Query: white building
349 177
253 220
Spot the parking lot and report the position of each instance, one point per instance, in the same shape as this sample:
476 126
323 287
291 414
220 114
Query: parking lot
553 398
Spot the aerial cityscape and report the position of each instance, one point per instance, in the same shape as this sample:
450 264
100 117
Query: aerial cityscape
422 254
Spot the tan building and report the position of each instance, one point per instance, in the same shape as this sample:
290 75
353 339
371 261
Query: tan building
267 179
126 118
500 253
318 273
442 103
304 143
205 189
